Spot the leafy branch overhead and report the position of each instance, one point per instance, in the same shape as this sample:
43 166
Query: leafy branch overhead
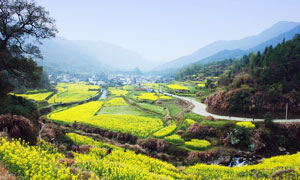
23 24
20 21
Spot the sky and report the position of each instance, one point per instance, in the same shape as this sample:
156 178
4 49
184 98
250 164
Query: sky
163 30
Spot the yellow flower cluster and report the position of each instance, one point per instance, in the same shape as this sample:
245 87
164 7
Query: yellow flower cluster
189 122
116 102
79 113
128 165
175 138
177 87
202 85
247 125
42 163
72 92
136 125
263 170
80 140
163 97
165 131
197 144
118 92
147 96
32 163
36 96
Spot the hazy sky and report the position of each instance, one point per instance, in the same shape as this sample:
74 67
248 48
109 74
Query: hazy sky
162 30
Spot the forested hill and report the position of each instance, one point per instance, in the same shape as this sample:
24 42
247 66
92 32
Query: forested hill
198 71
261 82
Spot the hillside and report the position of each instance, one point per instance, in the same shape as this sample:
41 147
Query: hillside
261 82
89 56
243 44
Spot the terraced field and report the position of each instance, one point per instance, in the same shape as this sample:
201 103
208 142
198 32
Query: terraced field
73 92
36 96
136 125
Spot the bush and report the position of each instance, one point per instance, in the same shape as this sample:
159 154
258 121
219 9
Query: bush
268 119
18 127
203 157
19 106
201 131
197 144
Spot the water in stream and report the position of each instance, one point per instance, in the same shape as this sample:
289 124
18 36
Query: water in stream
237 162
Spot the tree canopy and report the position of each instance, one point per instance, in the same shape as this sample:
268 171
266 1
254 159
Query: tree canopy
23 24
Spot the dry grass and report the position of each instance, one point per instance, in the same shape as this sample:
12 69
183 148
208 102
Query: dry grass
4 174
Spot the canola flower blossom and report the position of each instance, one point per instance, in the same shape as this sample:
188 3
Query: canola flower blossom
31 162
165 131
137 125
177 87
247 125
36 96
42 163
73 92
84 140
79 113
147 96
118 92
116 102
175 138
197 144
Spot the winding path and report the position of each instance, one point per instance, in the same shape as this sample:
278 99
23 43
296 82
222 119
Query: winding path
200 109
41 130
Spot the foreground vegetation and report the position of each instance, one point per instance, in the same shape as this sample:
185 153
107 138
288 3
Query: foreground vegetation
42 162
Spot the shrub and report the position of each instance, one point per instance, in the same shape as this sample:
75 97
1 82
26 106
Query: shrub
268 119
19 106
197 144
195 157
201 131
18 127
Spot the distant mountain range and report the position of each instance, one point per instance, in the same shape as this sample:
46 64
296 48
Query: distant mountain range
221 50
61 54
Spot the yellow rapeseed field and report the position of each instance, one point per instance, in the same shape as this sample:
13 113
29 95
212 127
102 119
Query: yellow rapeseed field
147 96
36 96
72 92
116 102
79 113
177 87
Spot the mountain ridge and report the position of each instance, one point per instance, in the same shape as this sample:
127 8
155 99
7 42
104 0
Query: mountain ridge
243 44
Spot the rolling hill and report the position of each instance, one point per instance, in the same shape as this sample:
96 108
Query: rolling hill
223 49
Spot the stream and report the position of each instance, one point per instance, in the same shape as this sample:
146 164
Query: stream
104 94
237 162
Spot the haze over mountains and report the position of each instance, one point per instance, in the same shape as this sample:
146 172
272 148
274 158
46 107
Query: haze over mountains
61 54
220 50
89 56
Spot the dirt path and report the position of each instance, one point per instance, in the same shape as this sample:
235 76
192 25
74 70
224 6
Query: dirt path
200 109
4 173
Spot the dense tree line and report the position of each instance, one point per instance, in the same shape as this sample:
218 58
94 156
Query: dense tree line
198 70
276 68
